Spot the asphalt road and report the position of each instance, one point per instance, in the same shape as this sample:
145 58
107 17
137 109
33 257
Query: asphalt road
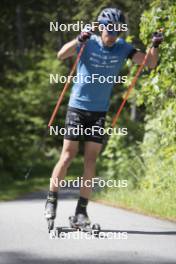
139 239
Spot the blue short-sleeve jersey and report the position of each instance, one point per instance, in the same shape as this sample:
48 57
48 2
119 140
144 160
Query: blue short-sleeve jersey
90 91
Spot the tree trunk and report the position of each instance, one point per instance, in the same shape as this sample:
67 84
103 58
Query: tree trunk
19 27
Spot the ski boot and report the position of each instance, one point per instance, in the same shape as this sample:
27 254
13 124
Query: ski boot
50 209
82 223
79 221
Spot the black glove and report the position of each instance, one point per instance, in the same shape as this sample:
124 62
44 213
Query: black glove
85 34
157 39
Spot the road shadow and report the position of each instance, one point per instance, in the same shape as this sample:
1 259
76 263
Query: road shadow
106 232
119 257
139 232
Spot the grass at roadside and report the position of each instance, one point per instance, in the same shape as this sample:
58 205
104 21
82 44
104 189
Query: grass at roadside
16 188
39 180
147 202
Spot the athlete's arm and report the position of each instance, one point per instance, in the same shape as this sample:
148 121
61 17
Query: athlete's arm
138 57
68 50
151 62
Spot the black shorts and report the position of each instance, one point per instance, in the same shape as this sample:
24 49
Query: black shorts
84 125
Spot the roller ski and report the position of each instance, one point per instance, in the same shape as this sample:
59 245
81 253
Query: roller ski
79 223
50 210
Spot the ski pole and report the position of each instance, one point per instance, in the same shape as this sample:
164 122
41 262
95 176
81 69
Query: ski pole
131 86
66 86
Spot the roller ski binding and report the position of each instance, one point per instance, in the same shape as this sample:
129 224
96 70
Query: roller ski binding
82 223
50 209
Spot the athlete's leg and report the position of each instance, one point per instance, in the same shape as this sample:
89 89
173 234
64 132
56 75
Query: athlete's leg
92 150
93 147
69 151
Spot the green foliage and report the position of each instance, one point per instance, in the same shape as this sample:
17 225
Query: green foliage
25 111
160 85
122 161
159 91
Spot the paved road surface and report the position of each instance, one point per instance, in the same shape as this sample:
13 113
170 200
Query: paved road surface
24 237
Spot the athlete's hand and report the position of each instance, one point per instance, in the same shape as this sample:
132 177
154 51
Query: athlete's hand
157 39
85 34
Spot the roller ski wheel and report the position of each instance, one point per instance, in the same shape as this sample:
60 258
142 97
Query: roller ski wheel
96 228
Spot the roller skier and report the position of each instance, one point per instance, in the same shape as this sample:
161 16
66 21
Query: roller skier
89 102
